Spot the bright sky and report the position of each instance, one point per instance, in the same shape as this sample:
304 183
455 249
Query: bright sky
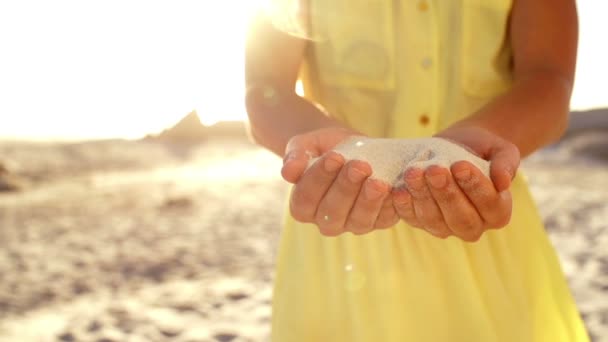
74 69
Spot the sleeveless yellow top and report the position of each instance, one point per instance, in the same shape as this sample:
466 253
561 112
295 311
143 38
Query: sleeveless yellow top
409 69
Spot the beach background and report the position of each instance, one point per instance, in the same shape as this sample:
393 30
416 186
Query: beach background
169 238
124 218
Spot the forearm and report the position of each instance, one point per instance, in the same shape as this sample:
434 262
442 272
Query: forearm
276 116
532 114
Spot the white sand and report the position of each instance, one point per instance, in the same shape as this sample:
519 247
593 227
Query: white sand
390 158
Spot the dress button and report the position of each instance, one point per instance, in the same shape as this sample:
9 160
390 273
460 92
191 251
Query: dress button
423 6
426 62
424 120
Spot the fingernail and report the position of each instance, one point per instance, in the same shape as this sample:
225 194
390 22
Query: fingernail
463 175
371 192
355 175
432 231
413 179
331 165
290 156
505 195
412 174
402 197
437 181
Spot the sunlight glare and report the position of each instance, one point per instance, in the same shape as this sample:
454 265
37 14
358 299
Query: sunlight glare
125 68
85 69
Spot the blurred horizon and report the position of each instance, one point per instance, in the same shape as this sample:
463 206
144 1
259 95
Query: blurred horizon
74 70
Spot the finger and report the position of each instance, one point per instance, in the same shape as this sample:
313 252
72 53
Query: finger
367 206
427 211
493 207
335 206
294 165
404 206
387 217
504 162
460 215
298 152
312 186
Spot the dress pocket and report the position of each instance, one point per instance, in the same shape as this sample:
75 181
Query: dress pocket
486 50
358 47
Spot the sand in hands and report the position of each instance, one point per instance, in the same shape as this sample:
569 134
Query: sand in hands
390 158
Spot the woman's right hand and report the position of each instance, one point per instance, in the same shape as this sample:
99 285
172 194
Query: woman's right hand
337 196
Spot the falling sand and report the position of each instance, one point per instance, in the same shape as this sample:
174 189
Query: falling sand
390 158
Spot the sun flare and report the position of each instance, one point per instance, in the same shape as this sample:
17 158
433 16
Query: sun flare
84 69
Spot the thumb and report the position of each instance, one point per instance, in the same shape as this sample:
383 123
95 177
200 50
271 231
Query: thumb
504 162
297 155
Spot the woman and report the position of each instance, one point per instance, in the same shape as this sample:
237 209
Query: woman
424 263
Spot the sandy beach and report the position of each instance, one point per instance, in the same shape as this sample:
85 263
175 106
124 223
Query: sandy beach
156 241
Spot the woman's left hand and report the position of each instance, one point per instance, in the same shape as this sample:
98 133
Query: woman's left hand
461 201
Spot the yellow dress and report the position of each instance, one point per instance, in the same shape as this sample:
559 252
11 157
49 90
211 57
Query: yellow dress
408 69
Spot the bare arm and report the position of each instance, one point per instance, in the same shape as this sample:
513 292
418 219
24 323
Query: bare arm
535 110
530 115
335 195
276 112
